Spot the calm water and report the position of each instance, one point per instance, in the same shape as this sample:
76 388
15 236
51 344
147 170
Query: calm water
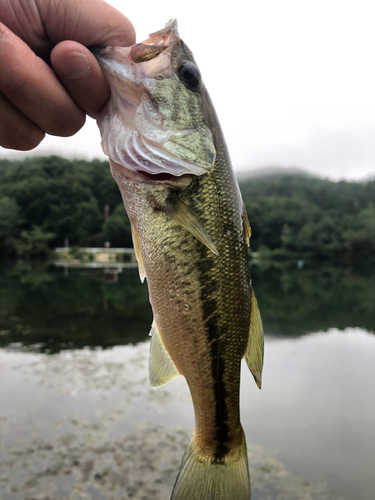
73 343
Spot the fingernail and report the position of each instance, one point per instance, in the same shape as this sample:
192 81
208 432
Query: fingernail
74 65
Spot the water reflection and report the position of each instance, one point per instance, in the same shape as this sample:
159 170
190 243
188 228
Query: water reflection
295 302
42 305
75 410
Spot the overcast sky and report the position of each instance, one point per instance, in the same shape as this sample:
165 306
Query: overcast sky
293 81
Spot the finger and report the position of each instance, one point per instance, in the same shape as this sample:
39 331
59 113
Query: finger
32 87
89 23
16 130
80 73
42 24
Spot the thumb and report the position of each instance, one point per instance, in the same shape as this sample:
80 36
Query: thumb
81 75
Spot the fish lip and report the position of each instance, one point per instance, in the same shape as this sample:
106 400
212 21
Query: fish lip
146 50
157 42
167 35
169 28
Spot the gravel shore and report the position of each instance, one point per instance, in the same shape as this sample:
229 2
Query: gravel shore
86 425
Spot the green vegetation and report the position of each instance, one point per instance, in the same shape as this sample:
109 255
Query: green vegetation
46 200
312 217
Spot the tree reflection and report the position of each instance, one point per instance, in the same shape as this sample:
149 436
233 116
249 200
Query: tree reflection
294 302
42 305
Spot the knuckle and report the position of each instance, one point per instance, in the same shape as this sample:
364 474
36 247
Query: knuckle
16 79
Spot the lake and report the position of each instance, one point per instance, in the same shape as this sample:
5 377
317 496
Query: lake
79 421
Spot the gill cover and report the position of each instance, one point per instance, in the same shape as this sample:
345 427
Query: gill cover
155 119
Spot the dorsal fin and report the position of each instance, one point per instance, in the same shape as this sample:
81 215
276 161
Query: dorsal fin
255 346
161 368
246 225
137 251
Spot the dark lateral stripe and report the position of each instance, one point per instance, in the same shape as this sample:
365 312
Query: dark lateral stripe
210 315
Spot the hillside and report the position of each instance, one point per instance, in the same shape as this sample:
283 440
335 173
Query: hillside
272 171
45 201
311 216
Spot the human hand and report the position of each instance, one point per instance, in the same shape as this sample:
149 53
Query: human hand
36 99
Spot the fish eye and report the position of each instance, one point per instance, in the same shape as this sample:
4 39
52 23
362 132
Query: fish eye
189 75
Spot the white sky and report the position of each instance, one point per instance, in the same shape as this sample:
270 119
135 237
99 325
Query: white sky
293 81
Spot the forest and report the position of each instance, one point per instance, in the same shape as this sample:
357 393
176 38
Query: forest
48 201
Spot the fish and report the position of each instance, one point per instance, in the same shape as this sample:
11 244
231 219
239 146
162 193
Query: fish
191 235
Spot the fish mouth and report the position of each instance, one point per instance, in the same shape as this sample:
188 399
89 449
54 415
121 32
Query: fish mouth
156 44
165 37
144 51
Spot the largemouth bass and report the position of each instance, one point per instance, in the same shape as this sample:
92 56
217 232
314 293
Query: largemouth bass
190 232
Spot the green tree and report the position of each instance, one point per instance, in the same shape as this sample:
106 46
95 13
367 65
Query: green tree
60 197
10 222
117 228
310 216
33 243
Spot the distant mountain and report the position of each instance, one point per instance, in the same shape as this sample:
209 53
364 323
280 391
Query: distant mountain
265 172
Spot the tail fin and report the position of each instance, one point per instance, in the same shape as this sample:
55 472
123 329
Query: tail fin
210 479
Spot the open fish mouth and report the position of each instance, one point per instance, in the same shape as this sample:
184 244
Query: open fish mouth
154 123
156 44
142 52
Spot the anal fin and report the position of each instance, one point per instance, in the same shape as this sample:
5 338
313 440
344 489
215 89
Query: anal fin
254 353
137 251
161 368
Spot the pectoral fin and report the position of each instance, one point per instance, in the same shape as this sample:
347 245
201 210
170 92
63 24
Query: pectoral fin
161 368
185 216
255 347
138 255
246 225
